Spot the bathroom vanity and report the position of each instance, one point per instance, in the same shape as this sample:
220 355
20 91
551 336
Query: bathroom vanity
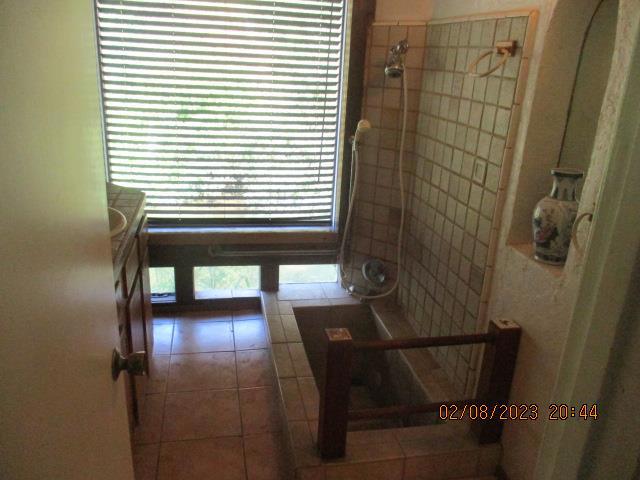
133 294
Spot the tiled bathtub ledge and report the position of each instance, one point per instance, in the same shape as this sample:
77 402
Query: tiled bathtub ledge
435 451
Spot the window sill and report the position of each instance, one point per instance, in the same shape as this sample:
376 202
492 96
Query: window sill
242 235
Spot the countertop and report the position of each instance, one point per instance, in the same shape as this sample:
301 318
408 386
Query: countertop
131 203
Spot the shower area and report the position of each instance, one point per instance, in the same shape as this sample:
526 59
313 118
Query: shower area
367 370
462 84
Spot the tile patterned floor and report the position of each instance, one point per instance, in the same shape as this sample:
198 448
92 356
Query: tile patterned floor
211 409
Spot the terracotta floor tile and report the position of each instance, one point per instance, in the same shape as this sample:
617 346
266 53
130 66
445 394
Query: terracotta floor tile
151 423
452 465
202 371
265 457
215 458
163 319
247 315
254 368
201 418
145 461
201 414
249 334
389 470
158 372
259 409
162 335
206 316
197 337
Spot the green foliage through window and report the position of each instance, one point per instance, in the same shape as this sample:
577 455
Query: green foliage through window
162 280
228 277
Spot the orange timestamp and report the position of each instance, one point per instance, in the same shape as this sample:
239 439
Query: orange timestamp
480 411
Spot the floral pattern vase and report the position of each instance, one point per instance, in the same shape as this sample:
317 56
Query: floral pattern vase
553 217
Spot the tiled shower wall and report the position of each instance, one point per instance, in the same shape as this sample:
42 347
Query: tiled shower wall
457 165
462 129
377 206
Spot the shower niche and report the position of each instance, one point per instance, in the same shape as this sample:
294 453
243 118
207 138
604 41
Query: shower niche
568 100
589 88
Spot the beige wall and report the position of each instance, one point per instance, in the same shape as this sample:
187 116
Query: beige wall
588 92
425 10
539 297
456 8
403 10
613 440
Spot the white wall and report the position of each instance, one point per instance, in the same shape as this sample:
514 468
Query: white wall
457 8
403 10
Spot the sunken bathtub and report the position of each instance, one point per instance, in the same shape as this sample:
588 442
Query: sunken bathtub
408 447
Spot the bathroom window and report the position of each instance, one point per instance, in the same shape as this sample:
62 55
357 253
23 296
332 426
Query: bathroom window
163 284
224 112
225 281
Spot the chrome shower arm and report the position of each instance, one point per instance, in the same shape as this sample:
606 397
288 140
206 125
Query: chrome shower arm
400 48
394 67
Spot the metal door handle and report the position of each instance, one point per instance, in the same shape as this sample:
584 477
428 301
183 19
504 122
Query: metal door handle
134 364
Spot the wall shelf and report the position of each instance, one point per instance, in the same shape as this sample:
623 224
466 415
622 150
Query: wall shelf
526 250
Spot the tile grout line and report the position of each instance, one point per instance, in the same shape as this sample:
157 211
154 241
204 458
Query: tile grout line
164 403
237 388
244 451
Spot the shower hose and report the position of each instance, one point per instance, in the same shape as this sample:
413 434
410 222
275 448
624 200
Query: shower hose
352 196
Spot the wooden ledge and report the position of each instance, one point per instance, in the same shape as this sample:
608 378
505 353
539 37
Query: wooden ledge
242 235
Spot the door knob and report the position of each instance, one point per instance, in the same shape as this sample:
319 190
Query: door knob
134 364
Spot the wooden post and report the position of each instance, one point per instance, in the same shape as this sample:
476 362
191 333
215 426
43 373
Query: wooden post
496 374
185 293
334 394
269 277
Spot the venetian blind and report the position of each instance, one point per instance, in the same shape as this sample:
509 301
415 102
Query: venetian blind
223 111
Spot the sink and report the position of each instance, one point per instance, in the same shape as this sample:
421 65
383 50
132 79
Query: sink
117 222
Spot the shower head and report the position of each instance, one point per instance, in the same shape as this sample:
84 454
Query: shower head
363 127
394 68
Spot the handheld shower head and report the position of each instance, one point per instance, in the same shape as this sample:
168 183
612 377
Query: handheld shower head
363 127
394 68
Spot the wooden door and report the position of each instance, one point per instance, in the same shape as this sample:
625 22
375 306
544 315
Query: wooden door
61 414
135 314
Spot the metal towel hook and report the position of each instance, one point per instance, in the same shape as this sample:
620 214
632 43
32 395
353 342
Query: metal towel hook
506 49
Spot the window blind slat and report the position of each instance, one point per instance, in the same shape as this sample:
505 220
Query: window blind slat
223 111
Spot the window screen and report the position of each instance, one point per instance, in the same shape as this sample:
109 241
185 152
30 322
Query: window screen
223 111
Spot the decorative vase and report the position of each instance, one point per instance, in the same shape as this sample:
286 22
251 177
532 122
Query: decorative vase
554 215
